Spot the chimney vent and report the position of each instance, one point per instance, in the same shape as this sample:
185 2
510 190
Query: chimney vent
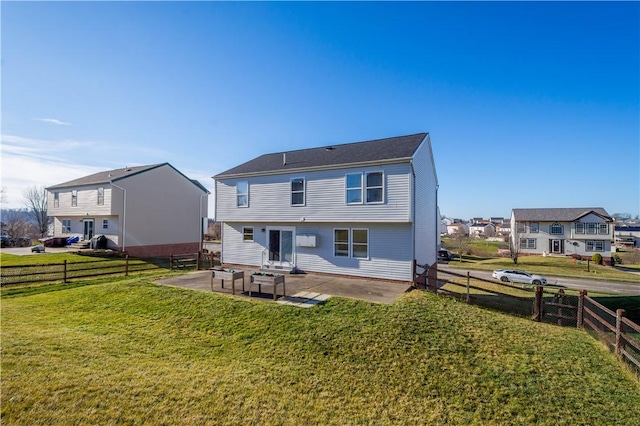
284 158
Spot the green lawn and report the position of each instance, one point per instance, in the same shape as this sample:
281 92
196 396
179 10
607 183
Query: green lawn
128 351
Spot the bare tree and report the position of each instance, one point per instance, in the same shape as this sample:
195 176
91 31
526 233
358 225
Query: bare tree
514 245
461 242
35 199
15 224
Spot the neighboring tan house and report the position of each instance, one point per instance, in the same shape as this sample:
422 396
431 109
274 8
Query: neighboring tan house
362 209
565 231
145 210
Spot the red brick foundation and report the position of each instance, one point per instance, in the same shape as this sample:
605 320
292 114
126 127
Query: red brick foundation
163 250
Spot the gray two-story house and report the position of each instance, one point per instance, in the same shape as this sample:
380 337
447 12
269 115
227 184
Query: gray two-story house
565 231
362 209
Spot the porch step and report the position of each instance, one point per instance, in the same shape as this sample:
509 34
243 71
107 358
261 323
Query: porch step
80 245
276 268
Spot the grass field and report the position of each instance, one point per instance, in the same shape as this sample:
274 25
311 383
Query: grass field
128 351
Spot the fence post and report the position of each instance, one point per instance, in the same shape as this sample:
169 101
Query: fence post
64 271
126 266
171 262
537 305
468 279
580 315
198 261
619 343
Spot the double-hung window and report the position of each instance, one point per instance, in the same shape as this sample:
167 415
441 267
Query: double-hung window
74 198
528 243
56 199
595 245
579 228
297 192
341 242
354 188
101 196
375 189
603 228
351 243
66 226
242 194
534 227
247 233
520 227
105 223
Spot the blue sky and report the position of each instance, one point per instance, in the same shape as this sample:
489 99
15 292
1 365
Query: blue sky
527 104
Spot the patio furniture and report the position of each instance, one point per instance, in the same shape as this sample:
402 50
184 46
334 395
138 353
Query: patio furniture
268 280
227 274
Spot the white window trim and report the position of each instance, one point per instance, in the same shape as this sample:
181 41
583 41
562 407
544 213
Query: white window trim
347 189
364 185
56 199
304 191
74 198
66 229
244 233
238 194
101 196
105 223
352 243
348 242
594 245
557 225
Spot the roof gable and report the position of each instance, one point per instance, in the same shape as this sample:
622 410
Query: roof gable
110 176
558 214
379 150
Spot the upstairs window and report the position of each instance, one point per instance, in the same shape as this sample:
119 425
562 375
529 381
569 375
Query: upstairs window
603 228
579 228
534 227
591 228
101 196
74 198
520 227
557 229
56 199
375 190
354 188
242 194
297 192
66 226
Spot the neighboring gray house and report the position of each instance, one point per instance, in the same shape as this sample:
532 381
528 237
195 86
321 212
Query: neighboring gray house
566 231
363 209
146 210
627 236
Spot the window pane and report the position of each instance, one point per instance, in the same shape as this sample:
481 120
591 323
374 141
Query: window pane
534 226
243 200
604 228
374 179
354 195
374 195
354 181
360 236
342 250
360 251
297 198
297 184
342 235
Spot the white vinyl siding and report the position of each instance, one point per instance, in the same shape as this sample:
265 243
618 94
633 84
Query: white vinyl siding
389 245
324 198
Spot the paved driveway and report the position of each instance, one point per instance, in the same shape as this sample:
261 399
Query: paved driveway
353 288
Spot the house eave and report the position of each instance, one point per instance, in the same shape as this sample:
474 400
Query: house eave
313 169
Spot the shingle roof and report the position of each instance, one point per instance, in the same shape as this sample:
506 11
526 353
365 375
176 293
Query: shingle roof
109 176
400 147
557 214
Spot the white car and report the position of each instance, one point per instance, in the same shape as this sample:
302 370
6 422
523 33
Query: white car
517 276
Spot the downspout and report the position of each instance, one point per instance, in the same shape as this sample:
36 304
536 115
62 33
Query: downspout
413 212
124 214
201 220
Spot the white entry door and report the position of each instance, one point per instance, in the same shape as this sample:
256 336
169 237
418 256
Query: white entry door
88 229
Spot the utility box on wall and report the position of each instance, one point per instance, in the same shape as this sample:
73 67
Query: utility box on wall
306 240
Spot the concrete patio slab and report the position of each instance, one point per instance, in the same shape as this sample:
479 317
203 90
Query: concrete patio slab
315 288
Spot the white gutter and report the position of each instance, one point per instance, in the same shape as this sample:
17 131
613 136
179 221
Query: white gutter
124 214
201 220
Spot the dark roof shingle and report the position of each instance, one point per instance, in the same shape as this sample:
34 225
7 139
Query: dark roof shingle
399 147
557 214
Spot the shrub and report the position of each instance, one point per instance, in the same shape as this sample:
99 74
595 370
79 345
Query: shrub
597 258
